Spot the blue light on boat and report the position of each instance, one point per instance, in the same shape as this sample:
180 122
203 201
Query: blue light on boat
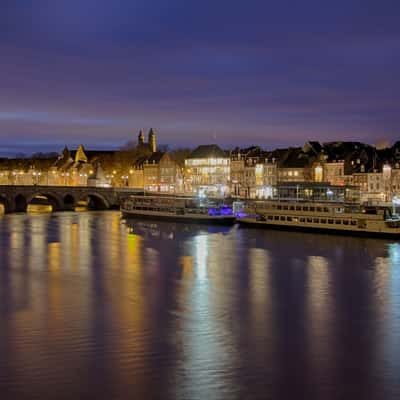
224 210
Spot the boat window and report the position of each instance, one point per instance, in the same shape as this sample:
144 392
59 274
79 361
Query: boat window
282 218
312 208
345 222
291 208
323 221
270 217
330 221
298 208
319 209
276 218
362 223
285 207
289 218
316 220
309 220
302 220
305 208
353 222
295 219
326 209
279 207
338 221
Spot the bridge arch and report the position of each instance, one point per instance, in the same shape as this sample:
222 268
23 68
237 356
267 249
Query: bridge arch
96 201
5 201
20 203
69 201
55 200
18 197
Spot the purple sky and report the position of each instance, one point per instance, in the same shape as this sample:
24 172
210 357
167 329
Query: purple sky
235 73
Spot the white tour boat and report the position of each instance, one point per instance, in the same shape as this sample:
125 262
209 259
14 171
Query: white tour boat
342 218
187 209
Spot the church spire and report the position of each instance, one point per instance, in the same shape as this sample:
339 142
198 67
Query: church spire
152 140
141 138
80 155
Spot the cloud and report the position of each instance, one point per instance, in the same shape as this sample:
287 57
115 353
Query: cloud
276 72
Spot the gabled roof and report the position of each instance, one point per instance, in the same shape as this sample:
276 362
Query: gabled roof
276 154
94 153
295 157
80 155
208 151
139 162
313 146
155 157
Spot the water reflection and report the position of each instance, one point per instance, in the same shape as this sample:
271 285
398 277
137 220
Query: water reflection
151 230
92 306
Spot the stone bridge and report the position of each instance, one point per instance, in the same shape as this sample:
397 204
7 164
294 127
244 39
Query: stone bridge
62 198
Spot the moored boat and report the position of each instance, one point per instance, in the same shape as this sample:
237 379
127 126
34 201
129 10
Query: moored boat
185 209
341 218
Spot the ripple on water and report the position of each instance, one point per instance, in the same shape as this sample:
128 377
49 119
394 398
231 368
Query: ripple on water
91 309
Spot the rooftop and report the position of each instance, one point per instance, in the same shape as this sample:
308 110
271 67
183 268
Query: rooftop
208 151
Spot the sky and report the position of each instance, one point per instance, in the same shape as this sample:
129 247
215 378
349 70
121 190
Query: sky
270 73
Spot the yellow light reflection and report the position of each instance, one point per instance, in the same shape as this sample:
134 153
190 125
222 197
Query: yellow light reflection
54 256
319 300
201 257
319 311
73 258
259 276
38 234
187 267
113 253
17 244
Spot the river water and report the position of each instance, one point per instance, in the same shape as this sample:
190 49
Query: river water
93 307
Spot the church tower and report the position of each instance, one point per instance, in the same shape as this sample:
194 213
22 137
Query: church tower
141 138
152 140
80 155
66 154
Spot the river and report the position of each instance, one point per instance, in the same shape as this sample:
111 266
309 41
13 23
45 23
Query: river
94 307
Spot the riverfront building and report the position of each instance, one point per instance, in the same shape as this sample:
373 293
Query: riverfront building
246 173
315 191
207 171
161 174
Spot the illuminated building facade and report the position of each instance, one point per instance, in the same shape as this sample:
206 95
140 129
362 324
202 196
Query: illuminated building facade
315 191
247 173
207 171
333 172
253 173
156 173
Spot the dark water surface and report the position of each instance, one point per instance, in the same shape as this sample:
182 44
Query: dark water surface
90 308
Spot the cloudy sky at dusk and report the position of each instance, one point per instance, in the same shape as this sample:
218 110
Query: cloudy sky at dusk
257 72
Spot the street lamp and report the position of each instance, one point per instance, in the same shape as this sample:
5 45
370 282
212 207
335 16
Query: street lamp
36 176
124 179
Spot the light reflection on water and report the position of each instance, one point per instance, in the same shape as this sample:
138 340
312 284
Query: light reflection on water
92 307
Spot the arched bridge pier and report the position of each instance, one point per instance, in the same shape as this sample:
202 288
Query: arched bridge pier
62 198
